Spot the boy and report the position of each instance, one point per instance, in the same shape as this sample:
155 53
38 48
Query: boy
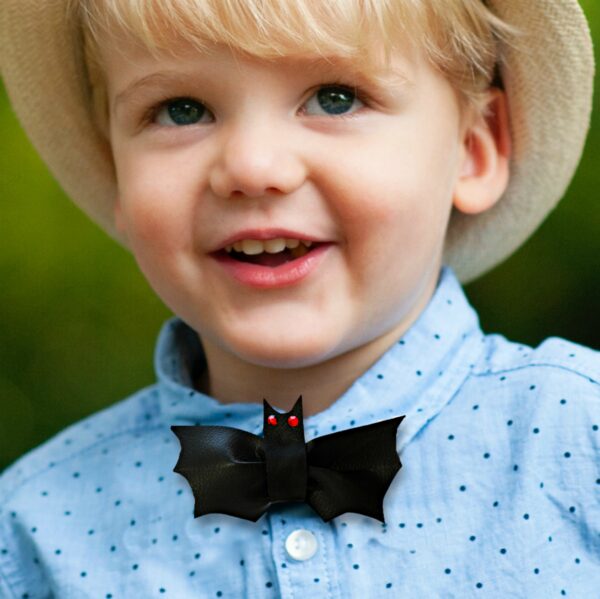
290 177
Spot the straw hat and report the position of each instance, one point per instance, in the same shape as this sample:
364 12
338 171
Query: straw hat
549 89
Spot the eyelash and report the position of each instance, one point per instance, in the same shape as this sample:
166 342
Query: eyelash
358 92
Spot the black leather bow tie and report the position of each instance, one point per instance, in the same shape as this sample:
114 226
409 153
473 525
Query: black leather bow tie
240 474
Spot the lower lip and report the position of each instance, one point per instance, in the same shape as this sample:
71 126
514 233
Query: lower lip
266 277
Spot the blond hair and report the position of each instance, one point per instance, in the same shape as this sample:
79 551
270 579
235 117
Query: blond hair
462 38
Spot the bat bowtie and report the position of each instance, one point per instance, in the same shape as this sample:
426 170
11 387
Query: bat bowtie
231 471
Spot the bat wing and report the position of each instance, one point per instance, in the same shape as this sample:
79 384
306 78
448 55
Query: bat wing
225 468
351 471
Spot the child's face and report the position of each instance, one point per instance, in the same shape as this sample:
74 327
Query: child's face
264 152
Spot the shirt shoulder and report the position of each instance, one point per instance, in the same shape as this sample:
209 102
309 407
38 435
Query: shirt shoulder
544 404
547 397
82 488
554 356
125 418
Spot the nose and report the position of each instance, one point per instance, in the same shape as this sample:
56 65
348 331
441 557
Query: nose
256 159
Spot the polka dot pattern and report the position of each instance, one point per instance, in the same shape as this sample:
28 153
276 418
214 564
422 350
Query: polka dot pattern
498 496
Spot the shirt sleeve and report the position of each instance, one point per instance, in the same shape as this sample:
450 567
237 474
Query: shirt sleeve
20 573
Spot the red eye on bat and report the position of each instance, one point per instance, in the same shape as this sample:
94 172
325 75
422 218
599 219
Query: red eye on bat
293 420
272 420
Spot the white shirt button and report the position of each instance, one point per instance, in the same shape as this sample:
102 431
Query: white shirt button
301 544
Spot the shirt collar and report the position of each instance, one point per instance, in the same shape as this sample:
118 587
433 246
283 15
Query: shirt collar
415 377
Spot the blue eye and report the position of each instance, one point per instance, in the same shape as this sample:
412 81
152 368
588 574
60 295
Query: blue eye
331 100
180 111
334 99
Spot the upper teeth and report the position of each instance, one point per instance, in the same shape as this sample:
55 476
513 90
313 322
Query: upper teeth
271 246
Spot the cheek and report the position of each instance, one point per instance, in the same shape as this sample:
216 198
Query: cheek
153 205
398 192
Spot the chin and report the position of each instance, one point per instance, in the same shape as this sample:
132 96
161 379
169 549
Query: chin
288 353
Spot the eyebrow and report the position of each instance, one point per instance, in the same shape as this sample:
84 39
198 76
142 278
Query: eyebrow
313 65
375 77
150 81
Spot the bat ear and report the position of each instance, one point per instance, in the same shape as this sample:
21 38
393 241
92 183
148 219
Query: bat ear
267 407
297 409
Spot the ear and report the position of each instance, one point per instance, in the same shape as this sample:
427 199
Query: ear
486 154
297 409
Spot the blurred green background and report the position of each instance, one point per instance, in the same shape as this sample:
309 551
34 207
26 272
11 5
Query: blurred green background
79 322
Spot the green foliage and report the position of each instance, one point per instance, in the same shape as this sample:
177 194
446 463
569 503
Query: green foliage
79 321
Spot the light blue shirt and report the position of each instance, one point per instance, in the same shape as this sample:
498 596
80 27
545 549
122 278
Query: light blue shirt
498 496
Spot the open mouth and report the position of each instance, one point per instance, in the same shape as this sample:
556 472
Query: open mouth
269 258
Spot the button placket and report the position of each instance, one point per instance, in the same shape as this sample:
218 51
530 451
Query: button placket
301 544
302 552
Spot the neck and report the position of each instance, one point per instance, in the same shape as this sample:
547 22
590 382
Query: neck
320 385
